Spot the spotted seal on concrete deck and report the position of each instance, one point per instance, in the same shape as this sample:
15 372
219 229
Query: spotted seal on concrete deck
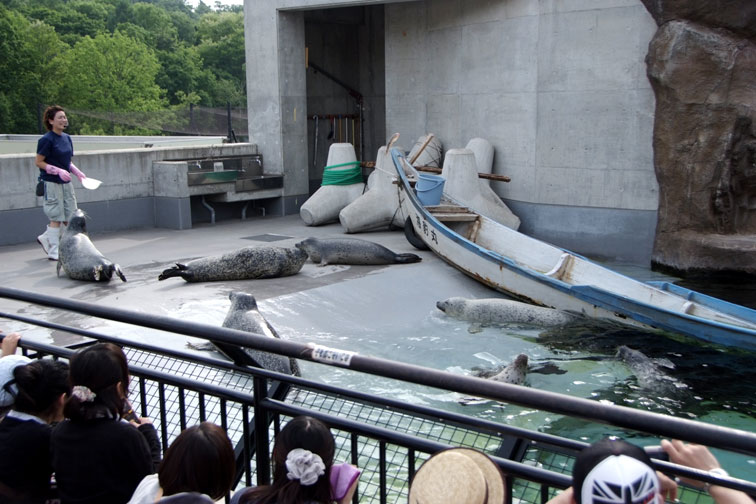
243 315
78 256
242 264
502 311
352 251
514 373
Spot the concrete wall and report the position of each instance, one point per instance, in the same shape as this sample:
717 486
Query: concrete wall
560 90
138 190
558 87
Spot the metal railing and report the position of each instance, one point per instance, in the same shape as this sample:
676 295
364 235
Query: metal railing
386 437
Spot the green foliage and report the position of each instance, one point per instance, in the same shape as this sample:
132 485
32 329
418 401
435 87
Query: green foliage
221 44
111 73
26 69
116 56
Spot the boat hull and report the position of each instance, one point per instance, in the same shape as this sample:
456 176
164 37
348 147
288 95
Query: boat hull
539 273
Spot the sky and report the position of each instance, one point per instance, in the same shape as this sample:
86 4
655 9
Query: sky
211 3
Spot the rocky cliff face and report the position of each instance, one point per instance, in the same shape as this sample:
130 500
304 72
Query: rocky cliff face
702 67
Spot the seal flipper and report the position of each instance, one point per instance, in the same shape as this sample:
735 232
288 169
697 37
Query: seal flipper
176 271
408 258
119 272
57 268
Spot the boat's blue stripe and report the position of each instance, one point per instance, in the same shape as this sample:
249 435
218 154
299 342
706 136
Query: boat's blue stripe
736 310
651 315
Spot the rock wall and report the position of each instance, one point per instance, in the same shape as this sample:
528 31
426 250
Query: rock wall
702 66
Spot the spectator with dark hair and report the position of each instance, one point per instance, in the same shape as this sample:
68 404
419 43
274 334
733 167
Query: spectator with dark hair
98 456
200 461
303 469
54 153
39 391
612 471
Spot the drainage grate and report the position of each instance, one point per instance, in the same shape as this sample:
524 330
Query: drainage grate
267 237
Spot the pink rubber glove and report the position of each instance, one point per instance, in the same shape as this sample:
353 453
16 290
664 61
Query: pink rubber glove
76 171
54 170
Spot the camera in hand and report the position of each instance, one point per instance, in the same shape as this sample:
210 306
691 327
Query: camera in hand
128 412
656 452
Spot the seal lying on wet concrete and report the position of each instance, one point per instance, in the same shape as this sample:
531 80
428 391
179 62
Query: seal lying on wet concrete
352 251
78 256
242 264
243 315
514 373
502 311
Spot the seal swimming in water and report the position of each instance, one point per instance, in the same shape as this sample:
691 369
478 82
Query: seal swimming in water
648 371
243 315
351 251
78 256
502 311
514 373
242 264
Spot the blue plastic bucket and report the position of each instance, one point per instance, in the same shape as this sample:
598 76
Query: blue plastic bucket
429 188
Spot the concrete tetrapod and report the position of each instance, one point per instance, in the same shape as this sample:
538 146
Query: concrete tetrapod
324 206
484 155
379 206
463 185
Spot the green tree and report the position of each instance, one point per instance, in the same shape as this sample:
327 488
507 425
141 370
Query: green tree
109 73
26 70
163 35
221 44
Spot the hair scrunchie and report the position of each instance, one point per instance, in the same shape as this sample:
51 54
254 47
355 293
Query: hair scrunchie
83 394
305 466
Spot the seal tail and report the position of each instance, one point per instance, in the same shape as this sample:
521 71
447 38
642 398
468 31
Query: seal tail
408 258
176 271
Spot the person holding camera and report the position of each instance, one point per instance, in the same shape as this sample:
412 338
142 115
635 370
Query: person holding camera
99 455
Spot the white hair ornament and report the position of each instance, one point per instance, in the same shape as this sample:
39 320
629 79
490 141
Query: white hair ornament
305 466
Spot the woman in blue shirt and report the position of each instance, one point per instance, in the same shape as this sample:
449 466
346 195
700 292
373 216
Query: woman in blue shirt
54 153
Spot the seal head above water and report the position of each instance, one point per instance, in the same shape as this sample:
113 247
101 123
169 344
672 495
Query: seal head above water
243 315
78 256
242 264
514 373
352 251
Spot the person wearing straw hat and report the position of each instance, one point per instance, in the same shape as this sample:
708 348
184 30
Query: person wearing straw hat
458 476
613 471
54 153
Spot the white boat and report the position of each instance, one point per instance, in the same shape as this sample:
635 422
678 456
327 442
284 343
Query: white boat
543 274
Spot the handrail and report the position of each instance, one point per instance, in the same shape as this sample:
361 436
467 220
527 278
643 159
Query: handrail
654 423
265 406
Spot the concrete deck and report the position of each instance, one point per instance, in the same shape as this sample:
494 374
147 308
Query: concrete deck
339 297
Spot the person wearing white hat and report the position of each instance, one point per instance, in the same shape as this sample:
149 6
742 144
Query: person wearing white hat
613 471
8 362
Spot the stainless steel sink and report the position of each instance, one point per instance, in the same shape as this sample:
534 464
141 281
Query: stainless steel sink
212 177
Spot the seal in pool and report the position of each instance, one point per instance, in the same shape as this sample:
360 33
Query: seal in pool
243 264
78 256
514 373
502 311
351 251
243 315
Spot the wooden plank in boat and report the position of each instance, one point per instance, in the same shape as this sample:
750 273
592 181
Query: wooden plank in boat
455 217
447 209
